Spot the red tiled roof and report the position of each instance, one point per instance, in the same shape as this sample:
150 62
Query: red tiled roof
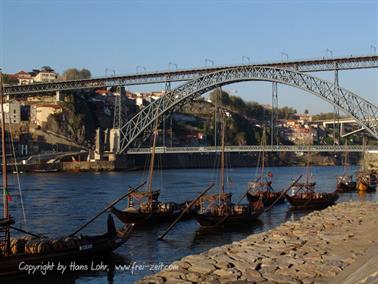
55 106
21 72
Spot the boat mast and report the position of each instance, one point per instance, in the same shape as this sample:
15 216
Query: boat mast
4 160
3 149
364 153
346 157
222 157
263 143
308 167
151 171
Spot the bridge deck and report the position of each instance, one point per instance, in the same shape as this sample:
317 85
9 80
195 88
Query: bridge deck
310 65
253 148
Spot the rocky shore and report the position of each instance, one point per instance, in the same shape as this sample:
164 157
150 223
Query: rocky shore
314 249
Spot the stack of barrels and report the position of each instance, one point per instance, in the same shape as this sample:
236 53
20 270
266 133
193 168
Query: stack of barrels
29 245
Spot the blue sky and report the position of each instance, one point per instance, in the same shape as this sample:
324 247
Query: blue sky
121 35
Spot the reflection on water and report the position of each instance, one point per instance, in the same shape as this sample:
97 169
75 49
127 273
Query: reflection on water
58 203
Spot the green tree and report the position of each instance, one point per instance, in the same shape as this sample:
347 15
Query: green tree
326 116
237 104
286 112
306 111
220 98
9 80
76 74
240 139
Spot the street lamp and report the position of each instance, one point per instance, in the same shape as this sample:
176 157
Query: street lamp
372 47
172 64
141 67
284 54
108 69
329 51
247 58
210 61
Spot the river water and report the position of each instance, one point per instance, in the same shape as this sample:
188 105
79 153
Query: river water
58 203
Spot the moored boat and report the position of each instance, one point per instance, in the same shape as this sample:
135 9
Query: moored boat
144 207
367 181
312 200
262 187
304 196
218 209
264 191
345 183
227 213
150 212
34 249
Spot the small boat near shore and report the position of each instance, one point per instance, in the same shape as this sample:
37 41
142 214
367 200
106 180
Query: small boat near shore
264 190
367 181
344 182
312 200
218 209
150 212
262 187
35 249
144 207
305 197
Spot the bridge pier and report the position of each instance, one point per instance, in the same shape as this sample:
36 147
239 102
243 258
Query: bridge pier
371 160
99 145
114 138
59 97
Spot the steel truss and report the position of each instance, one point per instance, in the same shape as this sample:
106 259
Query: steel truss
365 113
255 148
311 65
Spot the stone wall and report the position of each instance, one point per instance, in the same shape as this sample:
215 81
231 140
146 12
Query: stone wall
371 161
312 250
88 166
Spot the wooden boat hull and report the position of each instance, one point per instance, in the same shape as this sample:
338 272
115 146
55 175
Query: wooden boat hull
139 218
267 199
346 187
209 220
298 202
364 187
90 247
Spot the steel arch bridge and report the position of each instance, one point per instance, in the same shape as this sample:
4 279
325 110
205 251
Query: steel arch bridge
365 113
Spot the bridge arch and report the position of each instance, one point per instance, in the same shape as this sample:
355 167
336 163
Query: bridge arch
365 113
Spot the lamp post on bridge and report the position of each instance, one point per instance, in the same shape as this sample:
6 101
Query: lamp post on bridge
141 67
284 54
210 61
330 52
172 64
372 47
108 69
247 58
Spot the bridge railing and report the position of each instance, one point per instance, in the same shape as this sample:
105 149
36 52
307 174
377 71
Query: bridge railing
256 148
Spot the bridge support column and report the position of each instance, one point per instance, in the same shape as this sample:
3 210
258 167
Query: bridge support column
99 145
371 160
114 139
59 97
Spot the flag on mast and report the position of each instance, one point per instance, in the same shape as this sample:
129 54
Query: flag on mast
7 194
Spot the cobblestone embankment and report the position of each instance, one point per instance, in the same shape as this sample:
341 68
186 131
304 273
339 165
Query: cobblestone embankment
312 250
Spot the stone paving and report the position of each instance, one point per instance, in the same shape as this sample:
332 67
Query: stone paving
312 250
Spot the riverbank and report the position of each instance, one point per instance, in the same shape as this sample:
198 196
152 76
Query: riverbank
178 161
314 249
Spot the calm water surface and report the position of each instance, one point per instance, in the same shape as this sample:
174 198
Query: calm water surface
58 203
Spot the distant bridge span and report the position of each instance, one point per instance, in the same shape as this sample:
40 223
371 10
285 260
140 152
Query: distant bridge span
305 65
253 148
365 113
